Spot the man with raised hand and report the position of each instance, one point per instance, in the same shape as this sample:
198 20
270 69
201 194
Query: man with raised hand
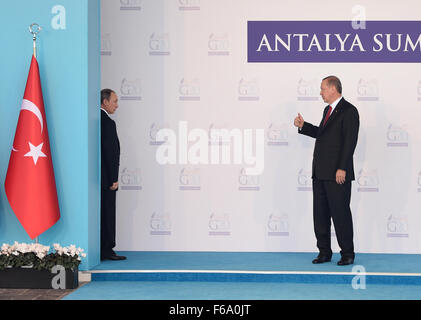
333 170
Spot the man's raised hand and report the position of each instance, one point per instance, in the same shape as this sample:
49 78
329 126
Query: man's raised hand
299 121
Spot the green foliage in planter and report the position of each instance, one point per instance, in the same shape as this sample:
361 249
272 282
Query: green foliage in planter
38 257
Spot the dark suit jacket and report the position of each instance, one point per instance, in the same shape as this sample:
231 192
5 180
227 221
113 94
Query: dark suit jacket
335 142
110 152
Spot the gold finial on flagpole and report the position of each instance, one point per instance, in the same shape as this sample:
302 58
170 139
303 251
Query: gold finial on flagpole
34 29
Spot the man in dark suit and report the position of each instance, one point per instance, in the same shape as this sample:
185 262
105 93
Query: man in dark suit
110 161
333 170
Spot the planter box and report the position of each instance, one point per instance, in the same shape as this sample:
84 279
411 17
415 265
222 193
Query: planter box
28 278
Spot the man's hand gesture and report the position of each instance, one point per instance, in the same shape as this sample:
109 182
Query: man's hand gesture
299 121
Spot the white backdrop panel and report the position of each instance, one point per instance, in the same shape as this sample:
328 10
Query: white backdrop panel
186 60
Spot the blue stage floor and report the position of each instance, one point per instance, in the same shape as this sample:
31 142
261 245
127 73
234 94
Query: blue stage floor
259 261
252 275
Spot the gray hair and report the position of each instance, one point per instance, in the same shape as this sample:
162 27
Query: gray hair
334 81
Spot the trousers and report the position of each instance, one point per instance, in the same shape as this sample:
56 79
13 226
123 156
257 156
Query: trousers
108 222
331 202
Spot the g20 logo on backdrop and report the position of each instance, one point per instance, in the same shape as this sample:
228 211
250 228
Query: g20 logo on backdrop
304 181
215 139
277 134
189 5
278 225
130 5
131 89
397 136
248 182
397 226
159 44
367 90
219 225
248 90
189 179
189 90
218 45
308 90
160 224
153 130
131 179
368 181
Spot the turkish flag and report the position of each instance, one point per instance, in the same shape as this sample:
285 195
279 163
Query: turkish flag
30 184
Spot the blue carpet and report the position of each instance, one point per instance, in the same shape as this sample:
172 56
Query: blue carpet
208 285
259 261
255 277
167 290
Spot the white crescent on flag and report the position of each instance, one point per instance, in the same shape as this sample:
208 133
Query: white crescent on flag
31 107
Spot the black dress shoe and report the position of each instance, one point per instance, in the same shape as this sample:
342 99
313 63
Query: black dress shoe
321 259
116 257
345 261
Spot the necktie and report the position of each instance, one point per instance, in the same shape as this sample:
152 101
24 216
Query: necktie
327 115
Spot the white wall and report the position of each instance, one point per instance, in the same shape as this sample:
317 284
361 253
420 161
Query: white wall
186 60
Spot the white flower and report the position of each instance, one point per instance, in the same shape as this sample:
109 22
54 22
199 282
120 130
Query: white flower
41 255
5 248
40 250
72 250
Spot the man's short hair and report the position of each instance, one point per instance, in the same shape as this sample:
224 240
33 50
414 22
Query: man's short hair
334 81
106 94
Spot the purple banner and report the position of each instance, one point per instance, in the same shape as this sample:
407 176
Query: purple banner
333 41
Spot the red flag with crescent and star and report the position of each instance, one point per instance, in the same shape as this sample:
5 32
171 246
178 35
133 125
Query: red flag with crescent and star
30 184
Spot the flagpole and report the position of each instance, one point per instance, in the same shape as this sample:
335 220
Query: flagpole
34 29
